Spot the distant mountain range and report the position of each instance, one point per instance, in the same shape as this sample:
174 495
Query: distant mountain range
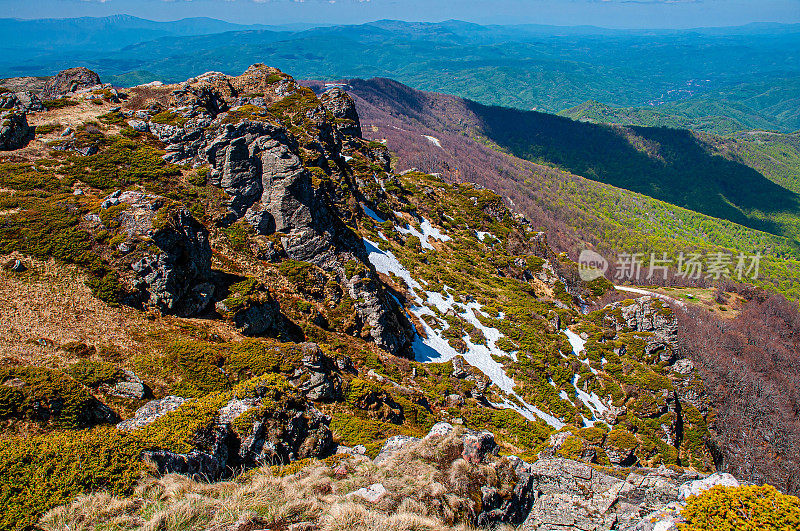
714 79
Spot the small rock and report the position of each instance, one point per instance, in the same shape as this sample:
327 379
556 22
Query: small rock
139 125
693 488
372 494
440 429
477 446
683 366
392 446
78 192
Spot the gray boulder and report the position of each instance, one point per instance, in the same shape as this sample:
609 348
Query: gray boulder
15 133
67 81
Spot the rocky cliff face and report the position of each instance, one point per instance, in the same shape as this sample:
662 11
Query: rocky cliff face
271 175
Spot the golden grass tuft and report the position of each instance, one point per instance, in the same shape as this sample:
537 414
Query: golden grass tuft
426 491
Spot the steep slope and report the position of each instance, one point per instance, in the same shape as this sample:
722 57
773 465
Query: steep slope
264 290
574 211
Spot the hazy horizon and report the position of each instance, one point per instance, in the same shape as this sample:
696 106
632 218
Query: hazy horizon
612 14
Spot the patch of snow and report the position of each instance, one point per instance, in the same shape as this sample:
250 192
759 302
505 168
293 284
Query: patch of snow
371 213
435 348
482 235
433 140
428 231
575 340
386 263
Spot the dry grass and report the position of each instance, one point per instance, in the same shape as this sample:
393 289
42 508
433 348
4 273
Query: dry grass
429 488
50 305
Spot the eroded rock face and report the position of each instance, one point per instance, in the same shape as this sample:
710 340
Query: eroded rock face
647 314
343 109
25 101
70 80
277 431
167 250
255 160
176 280
15 133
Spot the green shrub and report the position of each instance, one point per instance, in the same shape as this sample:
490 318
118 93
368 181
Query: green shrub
169 118
746 508
46 394
94 373
59 103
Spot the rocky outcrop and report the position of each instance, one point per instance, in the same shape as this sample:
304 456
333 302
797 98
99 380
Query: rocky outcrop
343 108
573 495
280 427
167 250
315 378
25 101
651 316
15 133
70 80
262 168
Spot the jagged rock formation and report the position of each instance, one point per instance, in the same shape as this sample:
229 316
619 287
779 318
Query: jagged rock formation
343 109
70 80
25 101
264 169
15 132
167 249
259 425
650 315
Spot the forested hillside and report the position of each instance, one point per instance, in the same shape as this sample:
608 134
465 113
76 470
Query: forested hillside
573 210
722 80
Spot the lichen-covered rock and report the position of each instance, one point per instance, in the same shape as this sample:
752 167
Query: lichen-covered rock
574 495
151 411
693 488
15 132
25 101
70 80
652 316
393 445
343 109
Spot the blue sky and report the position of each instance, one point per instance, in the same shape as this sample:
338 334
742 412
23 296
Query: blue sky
608 13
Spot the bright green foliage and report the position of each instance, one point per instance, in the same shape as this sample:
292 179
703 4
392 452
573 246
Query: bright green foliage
94 373
44 394
747 508
43 471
